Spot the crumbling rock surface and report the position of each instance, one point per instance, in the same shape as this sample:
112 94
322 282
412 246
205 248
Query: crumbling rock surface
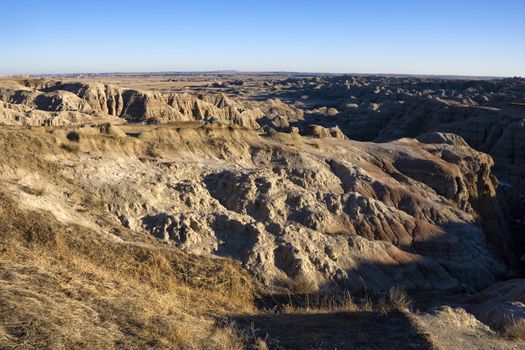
336 213
66 103
489 115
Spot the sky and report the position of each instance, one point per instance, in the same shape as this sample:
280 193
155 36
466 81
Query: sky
442 37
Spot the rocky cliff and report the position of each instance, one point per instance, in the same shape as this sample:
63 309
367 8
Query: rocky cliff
49 102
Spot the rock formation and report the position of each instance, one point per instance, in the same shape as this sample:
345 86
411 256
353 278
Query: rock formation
233 188
342 213
63 103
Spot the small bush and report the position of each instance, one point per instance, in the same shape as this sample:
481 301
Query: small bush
152 152
515 328
300 284
384 306
348 303
398 298
73 136
260 344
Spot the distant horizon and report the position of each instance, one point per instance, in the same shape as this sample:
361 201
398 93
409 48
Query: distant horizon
479 38
258 72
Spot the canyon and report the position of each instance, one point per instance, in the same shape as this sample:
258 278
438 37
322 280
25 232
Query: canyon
240 188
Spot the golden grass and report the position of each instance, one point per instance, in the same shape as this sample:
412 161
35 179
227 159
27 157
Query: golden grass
515 328
398 298
300 284
68 287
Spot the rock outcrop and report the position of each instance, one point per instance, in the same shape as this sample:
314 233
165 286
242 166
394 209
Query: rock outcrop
338 213
488 114
64 103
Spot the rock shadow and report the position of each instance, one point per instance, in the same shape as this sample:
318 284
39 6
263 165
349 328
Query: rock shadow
339 330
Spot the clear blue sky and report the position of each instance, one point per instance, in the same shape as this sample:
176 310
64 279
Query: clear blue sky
467 37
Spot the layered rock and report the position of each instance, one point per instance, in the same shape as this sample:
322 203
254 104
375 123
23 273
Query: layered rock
425 212
487 114
338 213
59 103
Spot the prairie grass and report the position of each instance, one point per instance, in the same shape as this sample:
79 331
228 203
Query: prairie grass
311 302
300 284
69 287
399 298
515 328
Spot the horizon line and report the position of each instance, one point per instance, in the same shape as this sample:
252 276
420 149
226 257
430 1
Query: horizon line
262 72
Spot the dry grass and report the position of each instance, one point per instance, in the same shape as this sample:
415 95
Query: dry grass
300 284
336 302
325 303
398 298
152 151
260 344
91 317
68 287
515 328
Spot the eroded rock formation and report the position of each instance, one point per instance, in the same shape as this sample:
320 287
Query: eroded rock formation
337 213
51 102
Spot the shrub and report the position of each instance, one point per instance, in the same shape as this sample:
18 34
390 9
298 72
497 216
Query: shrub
515 328
398 298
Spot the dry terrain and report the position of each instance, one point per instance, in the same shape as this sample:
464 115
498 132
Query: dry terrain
228 210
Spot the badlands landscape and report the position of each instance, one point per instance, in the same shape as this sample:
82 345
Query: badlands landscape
230 210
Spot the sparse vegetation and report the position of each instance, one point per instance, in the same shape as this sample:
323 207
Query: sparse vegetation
152 152
300 284
317 302
260 344
398 298
515 328
73 136
69 287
